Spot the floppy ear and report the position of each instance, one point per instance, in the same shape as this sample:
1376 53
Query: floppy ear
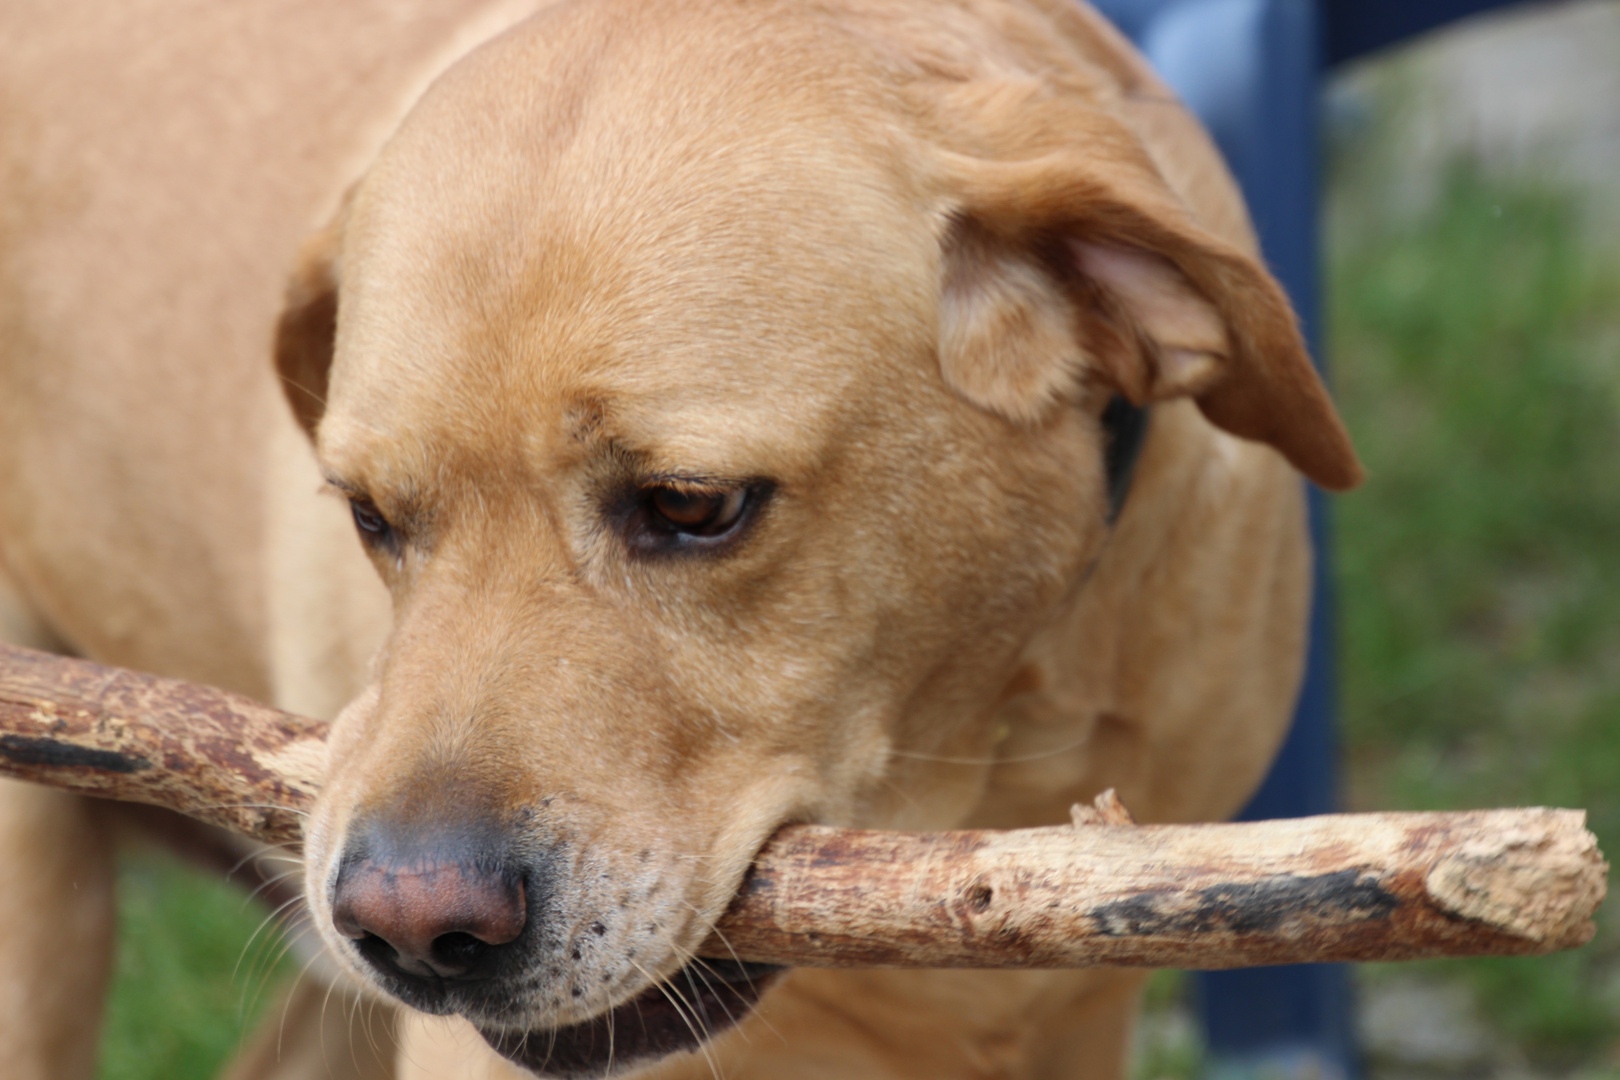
306 331
1070 259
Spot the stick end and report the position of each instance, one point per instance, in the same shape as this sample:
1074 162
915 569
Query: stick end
1541 882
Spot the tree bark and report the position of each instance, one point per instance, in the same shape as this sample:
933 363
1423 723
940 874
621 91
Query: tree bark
1336 887
1098 891
117 734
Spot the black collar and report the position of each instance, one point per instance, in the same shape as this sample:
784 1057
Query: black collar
1124 429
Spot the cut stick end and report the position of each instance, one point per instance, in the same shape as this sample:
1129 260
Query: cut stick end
1541 882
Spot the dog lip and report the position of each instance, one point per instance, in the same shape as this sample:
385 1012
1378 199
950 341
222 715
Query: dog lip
713 995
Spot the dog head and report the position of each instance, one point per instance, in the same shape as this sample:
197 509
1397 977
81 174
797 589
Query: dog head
716 388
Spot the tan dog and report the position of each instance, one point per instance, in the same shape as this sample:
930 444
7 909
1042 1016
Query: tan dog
716 389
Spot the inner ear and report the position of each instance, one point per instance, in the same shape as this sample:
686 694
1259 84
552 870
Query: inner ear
1171 340
307 329
1081 263
1023 323
1007 328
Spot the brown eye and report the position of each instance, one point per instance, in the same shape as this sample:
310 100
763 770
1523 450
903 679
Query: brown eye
697 513
668 519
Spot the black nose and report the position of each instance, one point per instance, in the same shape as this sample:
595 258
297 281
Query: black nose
430 917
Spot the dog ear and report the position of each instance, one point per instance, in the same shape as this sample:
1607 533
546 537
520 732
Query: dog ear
1070 259
307 329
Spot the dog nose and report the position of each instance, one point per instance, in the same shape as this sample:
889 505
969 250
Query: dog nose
436 920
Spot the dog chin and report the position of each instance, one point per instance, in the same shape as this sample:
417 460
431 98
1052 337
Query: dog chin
677 1015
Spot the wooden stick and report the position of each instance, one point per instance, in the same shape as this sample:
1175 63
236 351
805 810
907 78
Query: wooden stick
1336 887
117 734
1099 891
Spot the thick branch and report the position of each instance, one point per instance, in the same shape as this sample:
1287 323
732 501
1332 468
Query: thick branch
119 734
1337 887
1102 891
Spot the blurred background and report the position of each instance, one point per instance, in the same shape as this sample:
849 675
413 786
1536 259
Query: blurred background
1472 320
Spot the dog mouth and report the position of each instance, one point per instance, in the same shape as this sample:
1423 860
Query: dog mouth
678 1014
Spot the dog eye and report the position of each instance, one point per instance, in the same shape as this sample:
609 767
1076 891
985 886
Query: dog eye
697 513
374 528
670 519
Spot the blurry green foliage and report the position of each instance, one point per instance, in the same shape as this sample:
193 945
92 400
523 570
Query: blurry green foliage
1476 350
197 966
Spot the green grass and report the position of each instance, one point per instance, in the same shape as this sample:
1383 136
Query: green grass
1477 356
188 986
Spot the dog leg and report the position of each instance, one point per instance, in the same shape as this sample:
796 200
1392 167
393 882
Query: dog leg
56 903
320 1030
56 907
1091 1039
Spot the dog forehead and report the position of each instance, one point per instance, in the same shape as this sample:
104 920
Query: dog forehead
567 217
568 160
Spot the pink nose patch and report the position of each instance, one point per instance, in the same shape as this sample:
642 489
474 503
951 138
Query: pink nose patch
414 910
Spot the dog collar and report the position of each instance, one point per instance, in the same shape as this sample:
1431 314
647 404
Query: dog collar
1124 429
